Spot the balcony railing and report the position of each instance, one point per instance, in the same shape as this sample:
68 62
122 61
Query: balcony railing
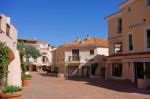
73 58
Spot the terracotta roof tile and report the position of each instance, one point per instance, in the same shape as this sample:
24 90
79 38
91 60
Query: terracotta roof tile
91 41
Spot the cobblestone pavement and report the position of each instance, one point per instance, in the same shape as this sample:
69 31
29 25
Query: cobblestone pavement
48 87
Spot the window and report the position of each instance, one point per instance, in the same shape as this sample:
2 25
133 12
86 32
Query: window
147 69
7 30
129 9
148 38
119 25
117 70
94 68
118 47
75 52
142 69
44 59
91 52
75 55
130 42
147 2
139 69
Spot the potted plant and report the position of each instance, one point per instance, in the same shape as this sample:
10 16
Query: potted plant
11 92
26 77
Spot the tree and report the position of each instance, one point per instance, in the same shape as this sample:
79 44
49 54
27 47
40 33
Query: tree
21 47
62 66
33 52
27 51
4 61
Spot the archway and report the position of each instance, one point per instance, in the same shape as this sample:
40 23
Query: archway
33 68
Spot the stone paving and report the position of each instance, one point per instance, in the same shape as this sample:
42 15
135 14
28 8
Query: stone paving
49 87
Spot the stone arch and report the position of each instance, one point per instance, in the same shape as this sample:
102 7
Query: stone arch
33 68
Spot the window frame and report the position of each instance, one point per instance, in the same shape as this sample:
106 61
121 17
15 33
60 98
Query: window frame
118 25
145 39
92 52
129 9
113 67
147 68
132 43
121 48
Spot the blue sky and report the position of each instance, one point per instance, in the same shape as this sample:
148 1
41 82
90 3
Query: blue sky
59 21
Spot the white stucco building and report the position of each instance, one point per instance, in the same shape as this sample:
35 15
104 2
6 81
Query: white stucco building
82 58
8 35
46 56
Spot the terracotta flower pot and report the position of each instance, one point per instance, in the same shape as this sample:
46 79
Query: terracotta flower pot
25 81
15 95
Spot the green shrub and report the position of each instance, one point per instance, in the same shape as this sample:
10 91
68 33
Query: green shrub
11 89
4 61
26 75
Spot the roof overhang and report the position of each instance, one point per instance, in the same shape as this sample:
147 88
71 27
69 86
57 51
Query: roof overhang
117 14
124 4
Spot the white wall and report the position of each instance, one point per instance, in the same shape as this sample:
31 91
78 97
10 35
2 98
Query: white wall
102 51
14 68
67 54
85 54
43 48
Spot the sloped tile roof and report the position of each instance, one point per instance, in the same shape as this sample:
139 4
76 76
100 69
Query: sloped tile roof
88 42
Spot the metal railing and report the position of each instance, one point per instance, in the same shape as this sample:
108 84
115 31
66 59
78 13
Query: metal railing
73 58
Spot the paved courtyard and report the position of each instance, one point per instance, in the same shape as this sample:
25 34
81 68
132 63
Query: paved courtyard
48 87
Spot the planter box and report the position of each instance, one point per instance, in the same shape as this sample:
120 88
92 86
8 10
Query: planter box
15 95
25 81
143 83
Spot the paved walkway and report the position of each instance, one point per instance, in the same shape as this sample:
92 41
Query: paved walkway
48 87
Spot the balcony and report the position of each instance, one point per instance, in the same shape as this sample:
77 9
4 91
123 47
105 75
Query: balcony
74 59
